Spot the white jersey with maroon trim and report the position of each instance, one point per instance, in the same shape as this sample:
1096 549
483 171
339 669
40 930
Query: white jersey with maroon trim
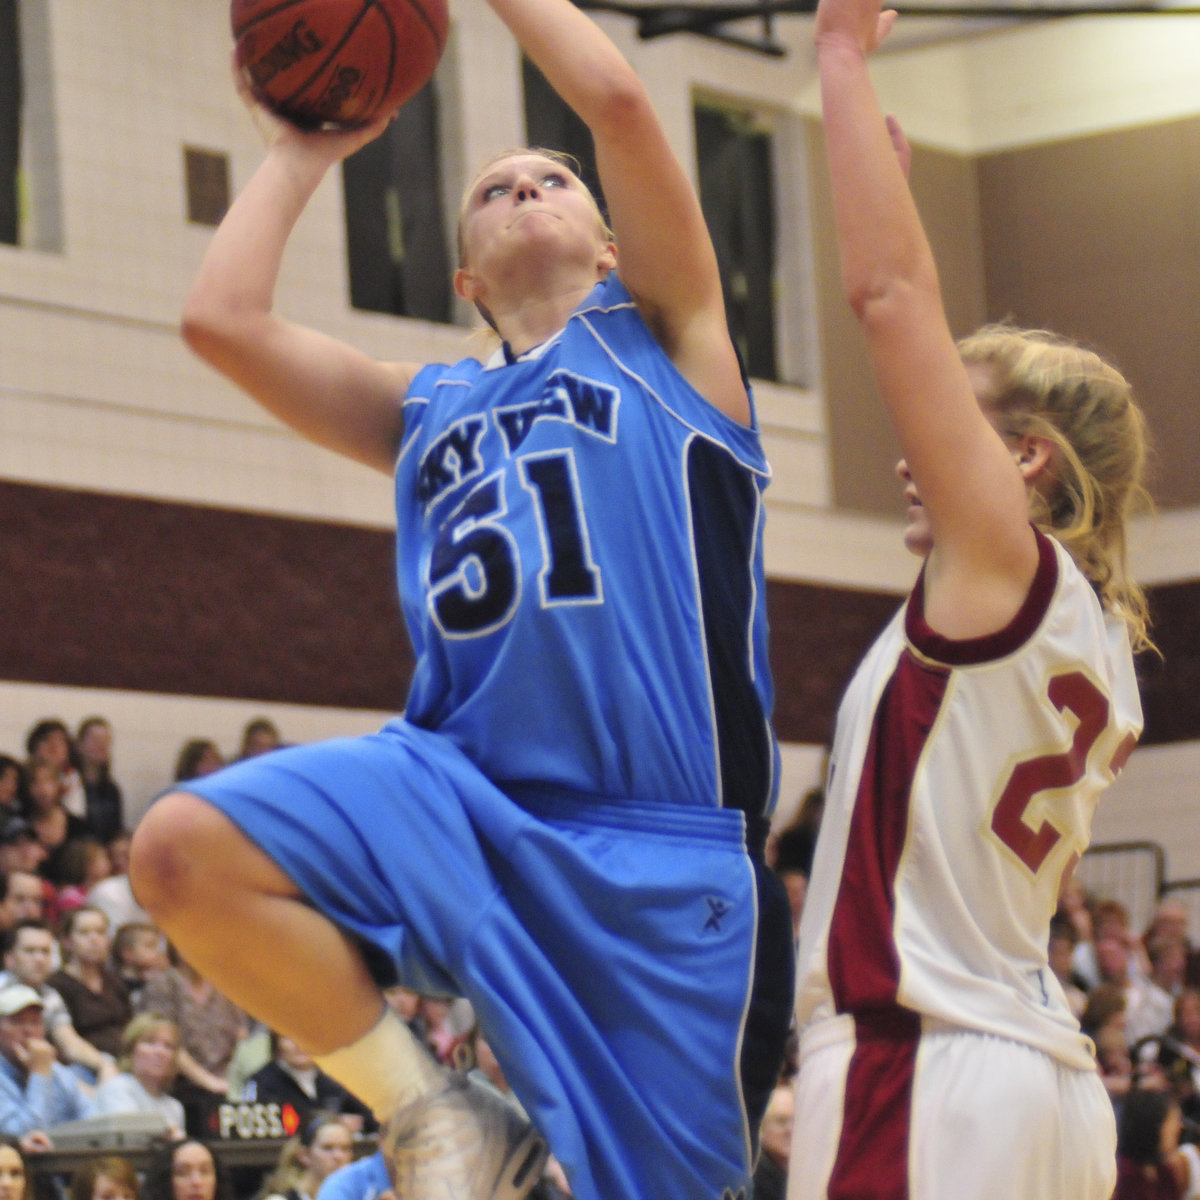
963 780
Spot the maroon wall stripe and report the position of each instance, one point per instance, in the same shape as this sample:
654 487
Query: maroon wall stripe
1171 684
107 591
113 592
818 636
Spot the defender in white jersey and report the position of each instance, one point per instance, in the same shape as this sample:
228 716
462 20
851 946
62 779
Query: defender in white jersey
938 1056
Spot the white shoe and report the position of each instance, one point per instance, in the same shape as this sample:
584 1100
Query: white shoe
464 1142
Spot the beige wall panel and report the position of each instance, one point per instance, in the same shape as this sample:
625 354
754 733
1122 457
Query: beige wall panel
1099 238
863 448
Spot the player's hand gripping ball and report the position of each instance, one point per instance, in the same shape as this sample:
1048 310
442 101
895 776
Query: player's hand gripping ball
337 63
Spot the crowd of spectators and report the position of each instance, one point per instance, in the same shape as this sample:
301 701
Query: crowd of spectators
99 1015
1137 994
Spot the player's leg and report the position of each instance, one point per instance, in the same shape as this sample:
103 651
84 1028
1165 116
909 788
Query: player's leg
854 1122
1088 1142
276 878
242 923
817 1124
619 956
995 1118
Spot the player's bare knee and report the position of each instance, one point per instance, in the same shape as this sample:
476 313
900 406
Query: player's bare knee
168 853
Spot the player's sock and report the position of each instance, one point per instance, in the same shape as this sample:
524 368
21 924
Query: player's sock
386 1068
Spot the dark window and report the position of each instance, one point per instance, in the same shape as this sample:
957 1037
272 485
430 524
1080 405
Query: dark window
10 121
207 176
395 219
551 124
737 193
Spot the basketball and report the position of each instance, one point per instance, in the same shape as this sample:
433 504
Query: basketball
337 63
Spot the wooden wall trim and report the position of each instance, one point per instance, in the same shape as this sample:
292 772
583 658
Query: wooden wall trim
113 592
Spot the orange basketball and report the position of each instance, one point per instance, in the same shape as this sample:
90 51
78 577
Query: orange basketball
337 63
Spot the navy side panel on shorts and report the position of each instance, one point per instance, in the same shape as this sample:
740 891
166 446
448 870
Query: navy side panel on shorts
774 995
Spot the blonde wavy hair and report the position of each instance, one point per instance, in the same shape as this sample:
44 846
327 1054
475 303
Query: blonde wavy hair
1048 386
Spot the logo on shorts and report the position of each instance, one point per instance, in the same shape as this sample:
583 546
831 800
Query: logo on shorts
717 908
730 1194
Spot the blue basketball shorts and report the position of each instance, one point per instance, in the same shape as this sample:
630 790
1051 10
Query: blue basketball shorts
629 962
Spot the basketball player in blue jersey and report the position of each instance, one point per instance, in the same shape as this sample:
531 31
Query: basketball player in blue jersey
939 1058
567 825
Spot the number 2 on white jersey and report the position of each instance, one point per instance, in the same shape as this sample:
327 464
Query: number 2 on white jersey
1075 693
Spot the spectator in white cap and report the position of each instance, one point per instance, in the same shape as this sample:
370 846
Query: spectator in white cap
36 1091
30 950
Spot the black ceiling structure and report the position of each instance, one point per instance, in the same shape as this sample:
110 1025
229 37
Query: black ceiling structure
655 20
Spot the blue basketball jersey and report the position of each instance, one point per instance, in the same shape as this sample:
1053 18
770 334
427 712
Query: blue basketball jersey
580 566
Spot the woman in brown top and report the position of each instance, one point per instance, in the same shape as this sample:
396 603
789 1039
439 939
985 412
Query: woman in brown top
95 997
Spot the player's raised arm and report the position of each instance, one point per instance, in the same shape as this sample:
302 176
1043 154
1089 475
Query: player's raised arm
326 390
970 482
665 256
